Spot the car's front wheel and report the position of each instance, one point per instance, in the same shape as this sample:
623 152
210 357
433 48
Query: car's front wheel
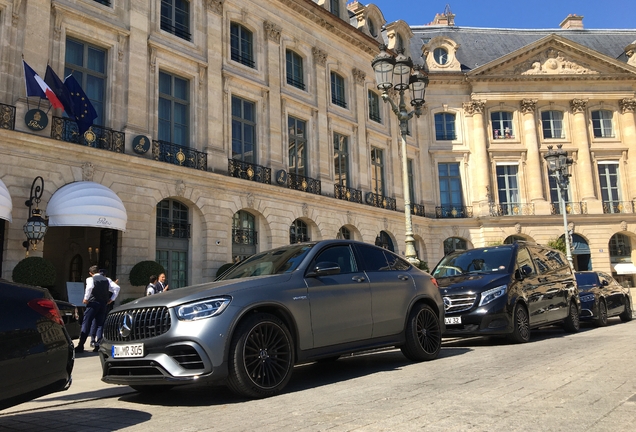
572 322
261 356
626 315
521 324
423 334
601 319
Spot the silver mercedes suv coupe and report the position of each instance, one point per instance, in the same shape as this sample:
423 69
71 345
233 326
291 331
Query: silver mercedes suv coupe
291 305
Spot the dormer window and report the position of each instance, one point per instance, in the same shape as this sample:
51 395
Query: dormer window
441 56
399 42
372 29
334 6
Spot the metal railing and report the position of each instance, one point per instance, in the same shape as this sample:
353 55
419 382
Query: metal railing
511 209
380 201
65 129
305 184
347 194
7 117
244 236
445 212
417 209
249 171
176 154
570 208
618 207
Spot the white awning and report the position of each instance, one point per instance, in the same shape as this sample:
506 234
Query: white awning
5 202
624 268
86 204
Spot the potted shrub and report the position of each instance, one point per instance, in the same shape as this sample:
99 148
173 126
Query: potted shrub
35 271
141 272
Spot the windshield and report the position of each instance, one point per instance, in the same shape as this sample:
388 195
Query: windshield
276 261
475 261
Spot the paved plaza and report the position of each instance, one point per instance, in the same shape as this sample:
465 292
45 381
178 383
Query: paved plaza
557 382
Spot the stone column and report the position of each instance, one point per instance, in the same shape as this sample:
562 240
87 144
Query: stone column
276 159
584 172
324 140
533 171
628 107
479 164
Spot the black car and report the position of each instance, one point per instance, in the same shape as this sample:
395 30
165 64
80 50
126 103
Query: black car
70 316
602 297
36 352
507 290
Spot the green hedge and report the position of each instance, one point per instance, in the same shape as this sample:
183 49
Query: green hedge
34 271
141 272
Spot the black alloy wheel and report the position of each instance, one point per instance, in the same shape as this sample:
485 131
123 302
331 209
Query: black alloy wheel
572 323
423 334
601 319
261 357
521 324
626 315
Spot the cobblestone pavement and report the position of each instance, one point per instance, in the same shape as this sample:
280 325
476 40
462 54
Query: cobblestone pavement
557 382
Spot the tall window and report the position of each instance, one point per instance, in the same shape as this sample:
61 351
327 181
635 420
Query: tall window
602 124
377 171
297 146
554 191
175 17
87 63
295 70
620 247
344 233
445 126
502 125
173 238
341 159
507 187
399 41
241 47
409 170
610 187
372 30
243 130
374 106
552 122
334 7
338 90
244 235
173 109
450 185
298 232
452 244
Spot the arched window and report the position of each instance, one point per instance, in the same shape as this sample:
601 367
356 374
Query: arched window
399 41
620 247
241 45
173 241
384 240
244 235
372 31
445 126
452 244
602 124
552 123
344 233
295 74
298 232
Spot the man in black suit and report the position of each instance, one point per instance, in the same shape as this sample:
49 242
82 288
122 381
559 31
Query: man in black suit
161 284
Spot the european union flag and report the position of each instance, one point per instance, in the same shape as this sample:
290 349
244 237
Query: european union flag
83 111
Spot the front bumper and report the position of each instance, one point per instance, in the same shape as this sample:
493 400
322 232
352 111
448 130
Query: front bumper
492 319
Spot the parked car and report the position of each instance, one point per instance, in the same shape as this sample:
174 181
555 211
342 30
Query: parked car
36 352
602 297
507 290
295 304
70 316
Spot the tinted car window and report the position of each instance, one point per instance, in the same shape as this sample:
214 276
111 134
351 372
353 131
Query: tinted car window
396 262
341 255
586 279
475 260
549 260
277 261
524 260
374 258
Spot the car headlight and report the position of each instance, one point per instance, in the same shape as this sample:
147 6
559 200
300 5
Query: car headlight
203 309
587 298
492 294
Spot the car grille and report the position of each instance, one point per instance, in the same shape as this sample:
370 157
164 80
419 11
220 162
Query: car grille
186 356
134 368
459 302
146 323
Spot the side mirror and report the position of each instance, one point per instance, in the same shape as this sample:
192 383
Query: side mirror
523 271
324 268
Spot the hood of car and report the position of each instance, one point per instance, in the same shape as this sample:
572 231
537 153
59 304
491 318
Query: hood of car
232 287
471 282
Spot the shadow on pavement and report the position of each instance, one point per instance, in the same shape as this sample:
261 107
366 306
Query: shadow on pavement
76 419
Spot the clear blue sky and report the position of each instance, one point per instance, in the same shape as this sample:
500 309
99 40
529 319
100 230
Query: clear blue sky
527 14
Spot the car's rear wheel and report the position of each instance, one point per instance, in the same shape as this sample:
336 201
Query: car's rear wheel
601 319
521 324
261 357
626 315
423 334
572 322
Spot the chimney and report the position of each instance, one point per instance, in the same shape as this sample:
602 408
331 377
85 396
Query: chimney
572 22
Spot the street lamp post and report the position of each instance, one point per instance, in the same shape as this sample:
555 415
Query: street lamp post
559 166
397 72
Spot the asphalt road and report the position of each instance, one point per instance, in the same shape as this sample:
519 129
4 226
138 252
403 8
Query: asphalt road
556 382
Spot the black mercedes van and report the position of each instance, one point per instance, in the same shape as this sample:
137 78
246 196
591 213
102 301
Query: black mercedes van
507 290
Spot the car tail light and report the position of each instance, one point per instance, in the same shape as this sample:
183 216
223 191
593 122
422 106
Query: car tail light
47 308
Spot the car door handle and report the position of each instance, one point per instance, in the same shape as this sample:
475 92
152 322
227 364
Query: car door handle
403 277
358 278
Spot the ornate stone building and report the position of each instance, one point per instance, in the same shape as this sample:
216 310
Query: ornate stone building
228 127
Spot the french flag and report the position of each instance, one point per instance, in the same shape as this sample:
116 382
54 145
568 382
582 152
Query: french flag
35 86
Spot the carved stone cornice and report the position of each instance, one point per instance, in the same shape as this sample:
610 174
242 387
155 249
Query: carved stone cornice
320 56
359 76
474 107
627 105
215 6
578 105
528 106
272 31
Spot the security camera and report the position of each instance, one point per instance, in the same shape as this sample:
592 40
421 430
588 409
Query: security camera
218 242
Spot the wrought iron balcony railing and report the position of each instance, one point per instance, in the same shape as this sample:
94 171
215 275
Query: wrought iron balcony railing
302 183
7 117
444 212
417 209
65 129
511 209
176 154
570 208
249 171
296 83
173 230
381 201
347 194
244 236
618 207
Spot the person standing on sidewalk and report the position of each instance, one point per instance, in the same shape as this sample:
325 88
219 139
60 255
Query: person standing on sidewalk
100 292
161 284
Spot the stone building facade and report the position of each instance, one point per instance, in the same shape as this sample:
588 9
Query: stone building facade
229 127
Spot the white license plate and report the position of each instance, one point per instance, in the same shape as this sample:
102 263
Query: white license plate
123 351
453 320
